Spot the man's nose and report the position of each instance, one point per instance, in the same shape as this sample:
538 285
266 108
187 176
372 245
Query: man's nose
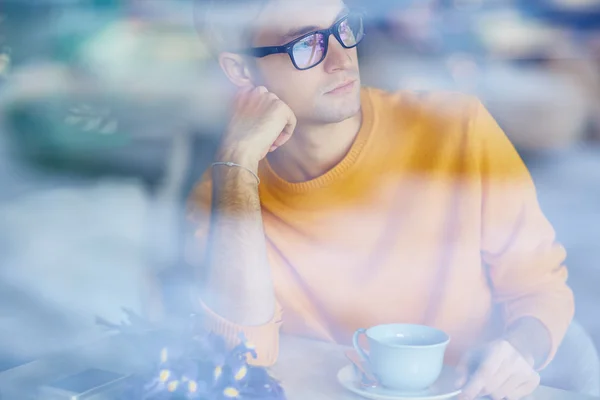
338 57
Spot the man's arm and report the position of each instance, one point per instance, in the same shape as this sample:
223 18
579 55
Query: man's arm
519 247
228 231
237 288
526 273
531 339
238 284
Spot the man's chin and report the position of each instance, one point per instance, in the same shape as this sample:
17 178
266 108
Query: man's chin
338 110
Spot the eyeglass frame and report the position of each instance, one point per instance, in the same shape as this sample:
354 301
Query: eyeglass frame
264 51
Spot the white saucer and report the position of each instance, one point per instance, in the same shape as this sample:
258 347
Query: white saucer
443 388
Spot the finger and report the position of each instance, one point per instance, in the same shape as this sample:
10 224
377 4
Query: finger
281 139
258 95
525 389
288 118
468 364
510 388
462 370
261 89
499 378
290 127
472 388
241 96
484 374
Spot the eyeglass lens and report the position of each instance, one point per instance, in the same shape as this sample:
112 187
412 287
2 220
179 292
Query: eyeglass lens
310 50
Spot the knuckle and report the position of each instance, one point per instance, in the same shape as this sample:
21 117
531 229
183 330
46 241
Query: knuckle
520 393
280 106
505 345
468 393
502 394
497 396
277 104
495 354
489 368
486 371
488 390
469 387
531 389
473 387
514 358
483 375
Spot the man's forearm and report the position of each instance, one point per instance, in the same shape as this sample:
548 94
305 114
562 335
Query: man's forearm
531 338
238 283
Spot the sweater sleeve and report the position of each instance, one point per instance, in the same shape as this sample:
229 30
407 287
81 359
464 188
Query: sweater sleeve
265 338
525 262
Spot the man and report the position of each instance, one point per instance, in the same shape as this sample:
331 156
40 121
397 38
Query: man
333 207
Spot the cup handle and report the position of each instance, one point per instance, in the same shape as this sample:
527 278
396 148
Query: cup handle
361 352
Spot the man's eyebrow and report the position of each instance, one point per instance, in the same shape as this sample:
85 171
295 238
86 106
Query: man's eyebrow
300 31
305 29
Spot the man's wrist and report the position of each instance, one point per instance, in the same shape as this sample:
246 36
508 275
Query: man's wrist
530 337
238 157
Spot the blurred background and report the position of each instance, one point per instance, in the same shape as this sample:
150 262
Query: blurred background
110 111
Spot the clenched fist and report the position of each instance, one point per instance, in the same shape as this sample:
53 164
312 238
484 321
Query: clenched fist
499 371
260 123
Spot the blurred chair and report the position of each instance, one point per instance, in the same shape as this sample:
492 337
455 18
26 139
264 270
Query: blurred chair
538 108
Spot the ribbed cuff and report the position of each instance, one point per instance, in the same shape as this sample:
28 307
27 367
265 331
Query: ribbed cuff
265 338
555 319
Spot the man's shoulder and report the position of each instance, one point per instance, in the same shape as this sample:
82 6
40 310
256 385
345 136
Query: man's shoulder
437 104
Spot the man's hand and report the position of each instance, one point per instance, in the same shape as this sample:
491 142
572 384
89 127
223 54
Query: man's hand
260 123
499 371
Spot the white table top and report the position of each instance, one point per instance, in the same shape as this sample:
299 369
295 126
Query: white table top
307 370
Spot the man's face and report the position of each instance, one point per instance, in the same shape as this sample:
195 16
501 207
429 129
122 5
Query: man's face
309 93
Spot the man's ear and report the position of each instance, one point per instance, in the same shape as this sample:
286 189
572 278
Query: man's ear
236 69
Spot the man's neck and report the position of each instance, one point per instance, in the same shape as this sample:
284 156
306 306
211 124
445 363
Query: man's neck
313 150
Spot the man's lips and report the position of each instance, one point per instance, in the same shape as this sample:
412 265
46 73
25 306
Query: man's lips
346 85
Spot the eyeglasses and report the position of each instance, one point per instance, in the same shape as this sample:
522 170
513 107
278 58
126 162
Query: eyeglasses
310 50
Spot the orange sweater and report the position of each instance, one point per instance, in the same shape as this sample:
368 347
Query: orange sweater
431 218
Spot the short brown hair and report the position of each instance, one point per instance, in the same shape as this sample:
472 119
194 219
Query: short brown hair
226 25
